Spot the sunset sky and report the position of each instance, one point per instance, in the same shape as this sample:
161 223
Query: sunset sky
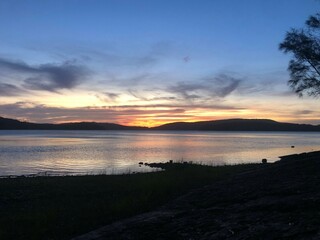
149 62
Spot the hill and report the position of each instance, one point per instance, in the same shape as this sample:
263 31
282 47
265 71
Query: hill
238 125
218 125
12 124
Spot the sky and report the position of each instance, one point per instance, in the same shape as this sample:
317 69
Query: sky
149 62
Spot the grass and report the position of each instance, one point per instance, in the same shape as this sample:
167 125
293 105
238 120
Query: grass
63 207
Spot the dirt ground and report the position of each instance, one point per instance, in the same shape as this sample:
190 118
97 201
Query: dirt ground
279 201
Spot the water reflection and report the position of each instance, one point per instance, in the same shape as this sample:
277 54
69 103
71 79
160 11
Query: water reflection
93 152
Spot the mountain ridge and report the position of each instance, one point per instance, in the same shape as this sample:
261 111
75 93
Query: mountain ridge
236 124
13 124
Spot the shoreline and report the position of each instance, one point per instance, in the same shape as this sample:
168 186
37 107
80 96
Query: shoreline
280 201
181 198
65 207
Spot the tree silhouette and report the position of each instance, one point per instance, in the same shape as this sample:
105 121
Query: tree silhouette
304 68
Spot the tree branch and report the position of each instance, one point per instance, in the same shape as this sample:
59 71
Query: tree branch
311 64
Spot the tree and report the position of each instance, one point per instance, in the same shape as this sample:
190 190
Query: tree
304 68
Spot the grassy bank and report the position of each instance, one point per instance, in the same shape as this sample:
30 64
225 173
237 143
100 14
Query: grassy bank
62 207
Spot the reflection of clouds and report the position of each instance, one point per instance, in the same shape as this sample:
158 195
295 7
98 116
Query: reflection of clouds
111 151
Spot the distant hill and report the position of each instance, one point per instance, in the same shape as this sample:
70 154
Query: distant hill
218 125
11 124
238 125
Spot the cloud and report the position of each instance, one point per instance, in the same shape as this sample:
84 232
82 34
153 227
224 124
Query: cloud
117 114
181 106
49 77
219 86
223 85
136 95
117 56
304 112
186 90
111 95
9 90
266 83
107 96
162 98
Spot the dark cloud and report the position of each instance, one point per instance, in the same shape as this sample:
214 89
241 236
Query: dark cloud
217 86
9 90
304 112
111 95
162 98
186 90
107 96
224 84
49 77
136 95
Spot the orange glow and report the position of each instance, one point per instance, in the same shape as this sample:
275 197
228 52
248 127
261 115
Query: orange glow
77 106
152 117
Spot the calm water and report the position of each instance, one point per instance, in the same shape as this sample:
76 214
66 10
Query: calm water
94 152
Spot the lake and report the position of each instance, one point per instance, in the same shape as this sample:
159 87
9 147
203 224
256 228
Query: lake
114 152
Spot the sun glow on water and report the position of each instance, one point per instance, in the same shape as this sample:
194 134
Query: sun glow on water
83 152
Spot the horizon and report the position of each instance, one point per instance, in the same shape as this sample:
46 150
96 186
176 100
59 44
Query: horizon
148 63
226 119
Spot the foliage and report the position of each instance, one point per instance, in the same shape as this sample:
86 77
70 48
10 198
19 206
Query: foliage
304 68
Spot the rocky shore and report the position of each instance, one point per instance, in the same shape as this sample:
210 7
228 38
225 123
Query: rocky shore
279 201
